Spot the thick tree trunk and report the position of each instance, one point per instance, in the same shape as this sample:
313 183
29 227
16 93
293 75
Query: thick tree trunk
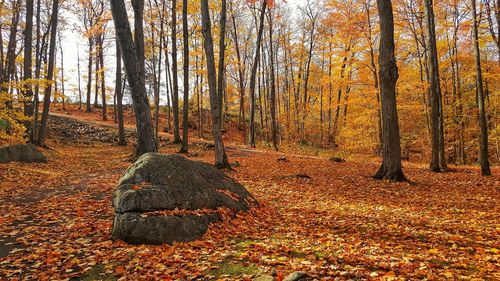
388 76
215 94
483 140
185 60
133 50
50 73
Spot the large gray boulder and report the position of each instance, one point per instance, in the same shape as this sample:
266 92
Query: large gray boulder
27 153
156 183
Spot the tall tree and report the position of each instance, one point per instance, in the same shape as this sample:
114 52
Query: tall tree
438 161
132 48
388 76
50 73
185 60
483 139
175 80
79 77
119 95
28 53
253 74
215 93
272 106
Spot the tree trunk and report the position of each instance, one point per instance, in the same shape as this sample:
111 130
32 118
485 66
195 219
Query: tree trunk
79 77
27 66
185 60
241 77
272 106
483 140
89 78
438 162
119 96
388 76
175 93
253 75
50 74
38 61
103 82
215 94
133 50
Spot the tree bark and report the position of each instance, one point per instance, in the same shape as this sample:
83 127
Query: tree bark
175 80
185 60
50 74
89 76
483 139
27 66
215 94
438 161
253 75
119 96
272 106
388 76
133 50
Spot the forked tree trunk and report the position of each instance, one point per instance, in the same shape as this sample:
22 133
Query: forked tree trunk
483 139
388 76
133 50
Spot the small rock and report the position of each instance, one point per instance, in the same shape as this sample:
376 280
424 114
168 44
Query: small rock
283 159
296 276
337 159
26 153
303 176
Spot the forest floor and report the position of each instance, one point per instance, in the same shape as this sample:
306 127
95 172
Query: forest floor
56 219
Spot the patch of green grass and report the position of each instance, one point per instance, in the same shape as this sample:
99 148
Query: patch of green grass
297 254
97 273
234 269
244 243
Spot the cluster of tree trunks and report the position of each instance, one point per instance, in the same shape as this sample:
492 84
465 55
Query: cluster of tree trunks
263 86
